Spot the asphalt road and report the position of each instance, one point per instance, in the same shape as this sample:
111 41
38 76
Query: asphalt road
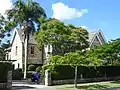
30 86
33 86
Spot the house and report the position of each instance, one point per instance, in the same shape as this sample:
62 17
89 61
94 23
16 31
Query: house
35 54
17 50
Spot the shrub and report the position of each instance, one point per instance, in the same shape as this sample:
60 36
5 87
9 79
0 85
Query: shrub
31 67
4 68
61 72
38 68
29 73
17 74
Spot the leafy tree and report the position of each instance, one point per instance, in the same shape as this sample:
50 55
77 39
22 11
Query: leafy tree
75 58
63 38
25 15
109 52
4 50
5 27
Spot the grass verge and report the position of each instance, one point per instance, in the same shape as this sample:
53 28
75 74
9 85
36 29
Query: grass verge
91 86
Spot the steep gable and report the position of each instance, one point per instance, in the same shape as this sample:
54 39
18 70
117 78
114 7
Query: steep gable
16 46
96 38
15 33
20 33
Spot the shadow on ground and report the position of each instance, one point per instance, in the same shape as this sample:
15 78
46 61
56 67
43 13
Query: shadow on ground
116 82
92 87
22 87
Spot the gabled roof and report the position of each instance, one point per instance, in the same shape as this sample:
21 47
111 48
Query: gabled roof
91 35
20 32
94 34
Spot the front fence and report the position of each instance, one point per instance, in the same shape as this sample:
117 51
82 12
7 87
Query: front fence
84 80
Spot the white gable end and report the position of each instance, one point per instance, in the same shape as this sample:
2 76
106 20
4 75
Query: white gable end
16 50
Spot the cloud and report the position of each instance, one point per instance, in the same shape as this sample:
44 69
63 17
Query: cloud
5 5
62 11
85 27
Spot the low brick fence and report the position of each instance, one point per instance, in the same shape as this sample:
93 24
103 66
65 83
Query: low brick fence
8 84
84 80
5 75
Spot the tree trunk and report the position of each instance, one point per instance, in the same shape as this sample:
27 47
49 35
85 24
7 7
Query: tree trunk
26 56
75 82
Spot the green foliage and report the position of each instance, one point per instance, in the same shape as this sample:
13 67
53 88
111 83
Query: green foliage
61 72
38 68
29 73
31 67
5 27
57 59
2 54
80 58
4 68
109 52
28 12
63 38
3 51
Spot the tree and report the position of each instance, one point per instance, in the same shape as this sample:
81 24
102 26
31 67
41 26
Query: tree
75 58
25 15
5 27
109 52
63 38
3 51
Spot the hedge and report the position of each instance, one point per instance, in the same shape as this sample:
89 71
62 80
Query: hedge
62 72
31 67
4 68
17 74
29 73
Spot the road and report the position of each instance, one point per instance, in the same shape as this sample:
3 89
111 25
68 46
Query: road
33 86
30 86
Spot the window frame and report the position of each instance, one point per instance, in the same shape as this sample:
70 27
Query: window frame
32 50
16 50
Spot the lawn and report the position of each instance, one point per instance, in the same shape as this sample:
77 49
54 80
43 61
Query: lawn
91 86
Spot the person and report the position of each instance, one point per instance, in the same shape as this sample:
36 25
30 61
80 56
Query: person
35 76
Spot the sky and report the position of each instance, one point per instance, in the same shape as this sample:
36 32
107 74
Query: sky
90 14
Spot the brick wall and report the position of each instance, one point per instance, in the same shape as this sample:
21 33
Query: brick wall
8 85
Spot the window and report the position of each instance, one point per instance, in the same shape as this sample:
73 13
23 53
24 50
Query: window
32 50
48 48
16 50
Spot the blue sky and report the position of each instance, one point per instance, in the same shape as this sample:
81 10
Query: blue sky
102 14
93 14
